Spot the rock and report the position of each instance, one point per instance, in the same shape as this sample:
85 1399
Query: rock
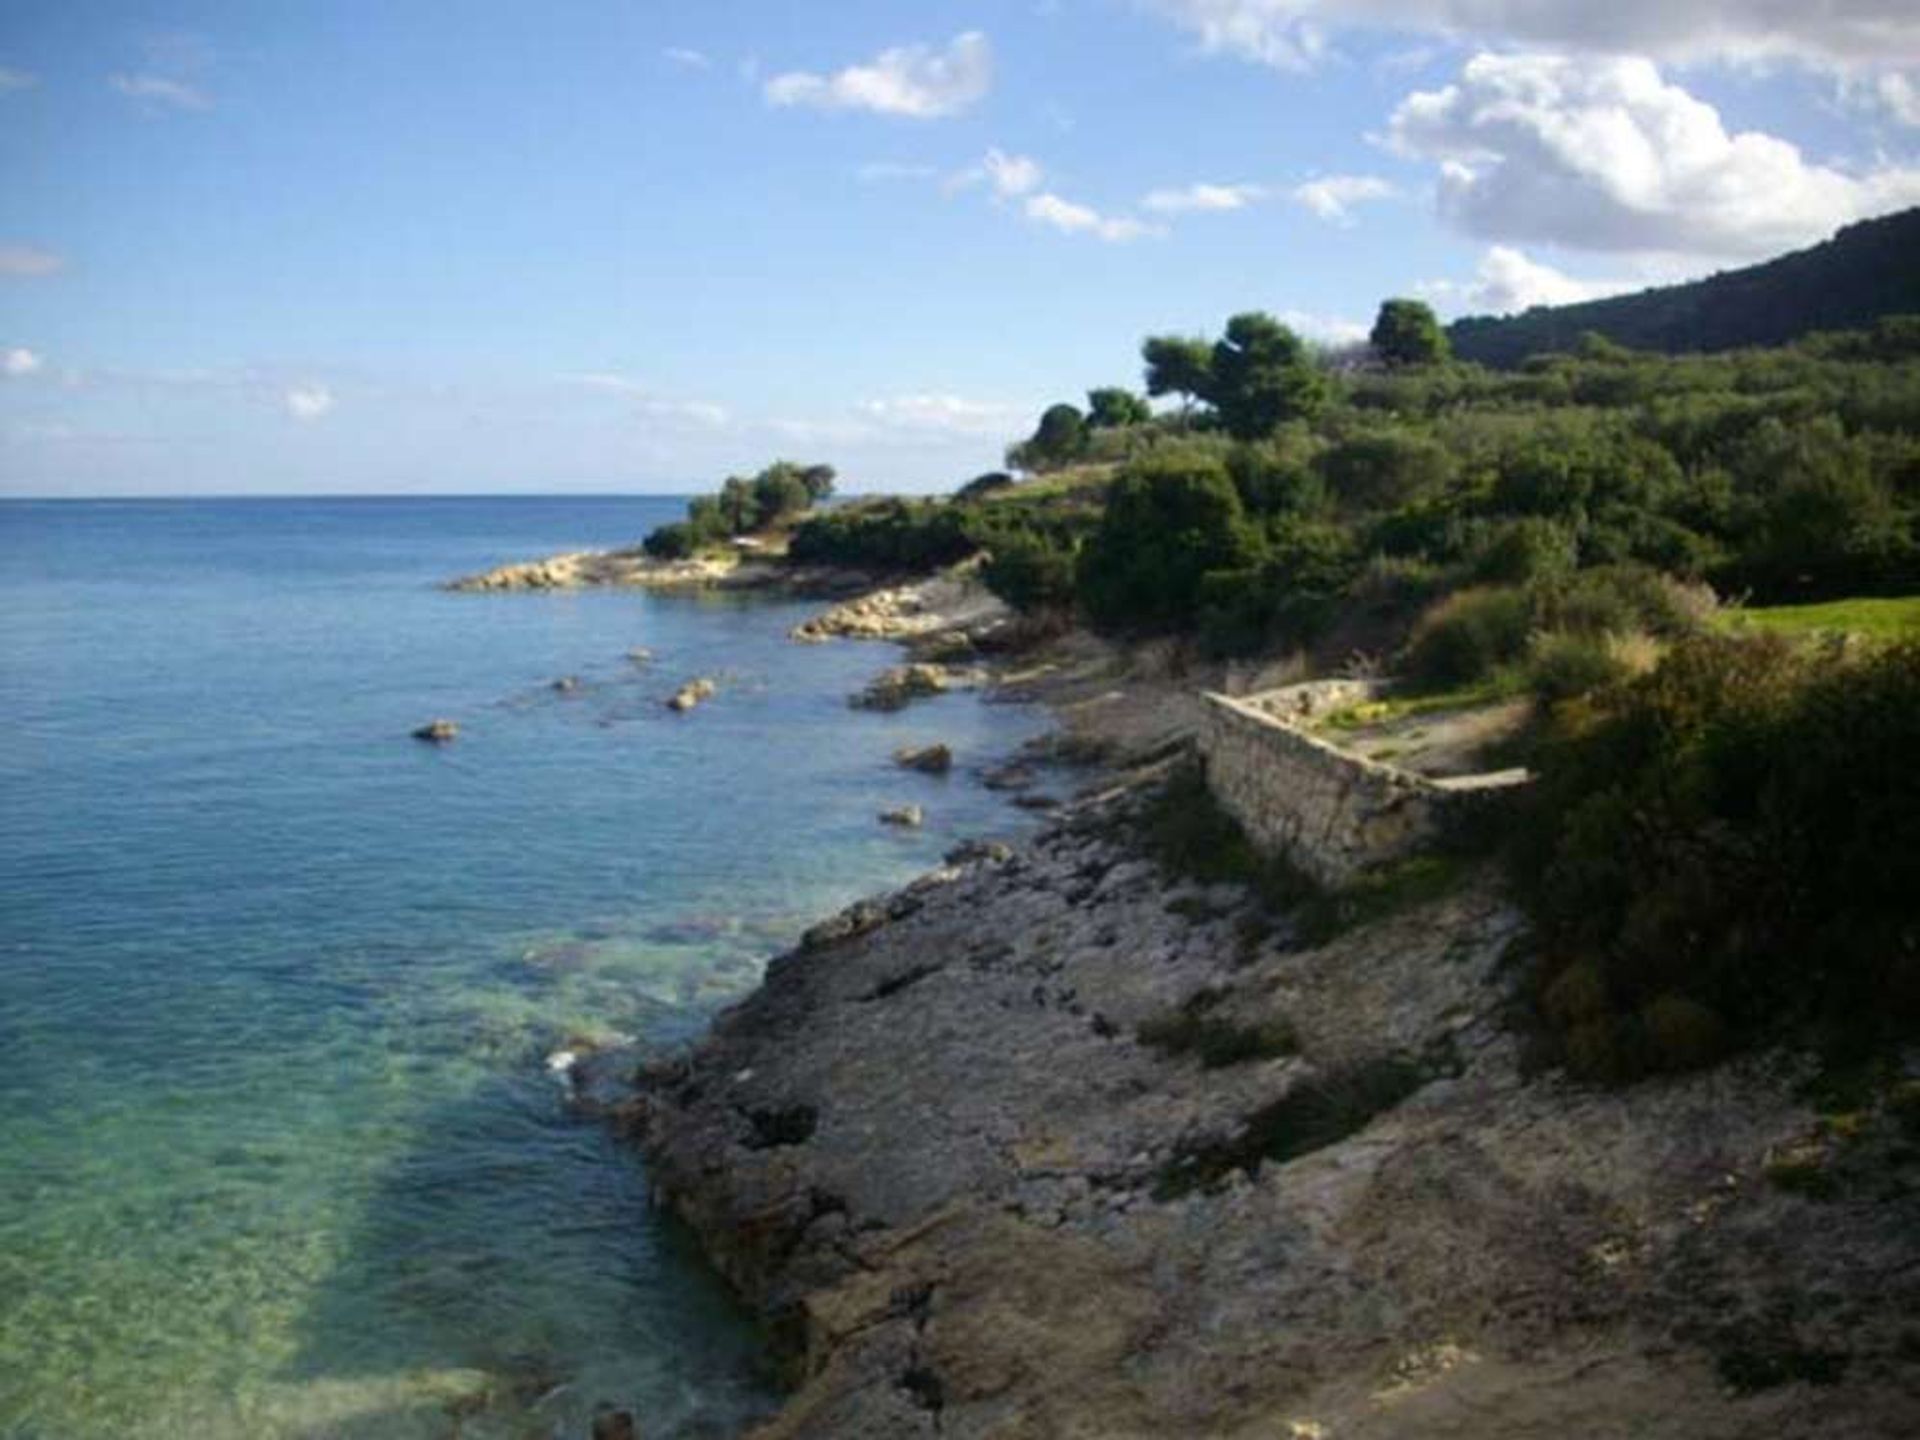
927 759
991 852
566 684
892 688
640 655
856 920
691 694
1008 777
1037 802
437 732
610 1424
908 816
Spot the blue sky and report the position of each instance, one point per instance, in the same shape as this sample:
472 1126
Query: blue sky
377 247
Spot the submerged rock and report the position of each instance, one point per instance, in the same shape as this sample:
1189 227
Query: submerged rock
927 759
610 1424
691 694
640 655
908 816
437 732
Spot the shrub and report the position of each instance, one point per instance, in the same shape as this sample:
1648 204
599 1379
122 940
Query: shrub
1562 665
1467 636
1723 850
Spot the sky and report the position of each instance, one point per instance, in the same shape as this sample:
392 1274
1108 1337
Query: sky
630 245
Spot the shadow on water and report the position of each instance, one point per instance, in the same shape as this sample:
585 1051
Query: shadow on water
508 1277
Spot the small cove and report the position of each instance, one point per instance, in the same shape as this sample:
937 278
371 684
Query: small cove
277 983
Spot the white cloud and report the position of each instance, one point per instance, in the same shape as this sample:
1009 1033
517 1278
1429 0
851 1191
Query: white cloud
19 362
161 91
912 80
644 402
12 79
1605 155
1507 280
26 260
1202 196
944 413
691 59
1324 329
1295 34
1899 97
307 402
1332 197
1065 215
1011 174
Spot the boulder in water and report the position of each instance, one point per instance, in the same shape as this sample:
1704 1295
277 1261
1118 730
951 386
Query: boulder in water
691 694
437 732
908 817
927 759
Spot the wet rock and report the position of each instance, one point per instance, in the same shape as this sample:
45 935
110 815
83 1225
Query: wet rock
1008 777
640 655
991 852
927 759
909 817
611 1424
691 694
894 687
857 919
566 684
437 732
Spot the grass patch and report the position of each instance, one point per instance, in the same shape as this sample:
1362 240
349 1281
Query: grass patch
1216 1041
1501 685
1379 895
1309 1117
1878 619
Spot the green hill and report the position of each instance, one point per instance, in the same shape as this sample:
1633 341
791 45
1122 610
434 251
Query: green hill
1866 271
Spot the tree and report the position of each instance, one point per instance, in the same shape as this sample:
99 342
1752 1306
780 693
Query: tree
1261 376
1177 366
1060 437
1169 522
1112 407
1406 333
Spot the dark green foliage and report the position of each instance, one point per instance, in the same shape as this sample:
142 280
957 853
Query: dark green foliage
1406 333
1031 569
887 536
1112 408
1384 469
1169 522
1176 365
1468 636
1724 849
1868 271
776 495
1059 439
1261 376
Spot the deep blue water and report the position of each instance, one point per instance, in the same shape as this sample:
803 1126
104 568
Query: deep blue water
279 1153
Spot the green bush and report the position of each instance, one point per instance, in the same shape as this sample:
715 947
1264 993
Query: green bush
1723 850
1468 636
1560 665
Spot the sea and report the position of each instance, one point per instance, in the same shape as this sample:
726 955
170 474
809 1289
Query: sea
281 1150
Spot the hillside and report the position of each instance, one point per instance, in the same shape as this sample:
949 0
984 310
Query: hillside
1864 272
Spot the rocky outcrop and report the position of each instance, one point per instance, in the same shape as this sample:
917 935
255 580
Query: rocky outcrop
438 732
1039 1146
899 685
693 693
952 602
583 568
908 817
927 759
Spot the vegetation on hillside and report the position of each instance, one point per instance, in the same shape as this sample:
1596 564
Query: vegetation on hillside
743 506
1867 271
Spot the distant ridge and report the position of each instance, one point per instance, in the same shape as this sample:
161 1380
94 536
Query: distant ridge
1867 270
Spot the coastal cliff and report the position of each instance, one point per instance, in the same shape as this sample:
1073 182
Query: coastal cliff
1056 1141
1049 1144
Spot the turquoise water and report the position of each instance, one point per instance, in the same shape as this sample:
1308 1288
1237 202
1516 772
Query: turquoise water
279 1152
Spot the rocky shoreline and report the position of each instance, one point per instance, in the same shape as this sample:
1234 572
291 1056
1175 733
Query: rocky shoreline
635 569
1053 1142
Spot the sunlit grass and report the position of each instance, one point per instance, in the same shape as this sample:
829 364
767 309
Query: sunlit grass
1881 618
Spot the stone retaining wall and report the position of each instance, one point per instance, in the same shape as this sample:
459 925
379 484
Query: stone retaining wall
1332 813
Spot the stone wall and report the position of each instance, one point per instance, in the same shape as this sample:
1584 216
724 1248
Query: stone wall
1333 814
